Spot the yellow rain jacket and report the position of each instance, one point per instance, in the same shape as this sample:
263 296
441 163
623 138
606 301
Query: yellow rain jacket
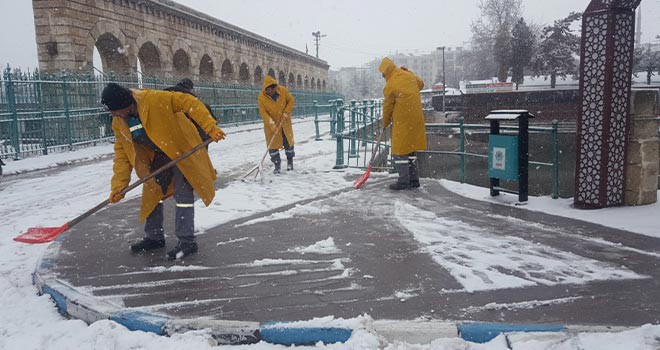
164 121
271 112
403 108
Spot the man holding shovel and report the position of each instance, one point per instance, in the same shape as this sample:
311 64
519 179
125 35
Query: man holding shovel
151 129
402 107
275 107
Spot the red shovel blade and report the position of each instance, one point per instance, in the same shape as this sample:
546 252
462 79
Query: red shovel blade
362 179
41 234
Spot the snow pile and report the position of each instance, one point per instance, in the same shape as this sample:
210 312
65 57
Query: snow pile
326 246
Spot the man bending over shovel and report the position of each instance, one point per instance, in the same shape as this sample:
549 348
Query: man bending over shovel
151 128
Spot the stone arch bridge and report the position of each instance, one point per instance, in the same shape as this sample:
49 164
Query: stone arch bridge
170 40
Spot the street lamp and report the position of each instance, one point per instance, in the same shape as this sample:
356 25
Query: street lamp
444 84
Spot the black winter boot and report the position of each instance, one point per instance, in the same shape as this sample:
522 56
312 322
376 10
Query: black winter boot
275 158
147 244
402 168
414 175
182 250
289 164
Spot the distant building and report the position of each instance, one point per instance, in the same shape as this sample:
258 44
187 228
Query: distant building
429 66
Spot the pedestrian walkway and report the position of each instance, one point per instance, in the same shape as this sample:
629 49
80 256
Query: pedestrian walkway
424 254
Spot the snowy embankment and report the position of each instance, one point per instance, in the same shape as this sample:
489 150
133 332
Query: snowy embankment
640 219
52 197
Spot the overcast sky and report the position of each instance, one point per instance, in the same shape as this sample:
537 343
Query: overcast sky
357 31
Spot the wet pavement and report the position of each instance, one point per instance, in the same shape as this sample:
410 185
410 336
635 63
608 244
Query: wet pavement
257 270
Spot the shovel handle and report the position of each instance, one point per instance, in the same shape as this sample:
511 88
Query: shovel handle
172 163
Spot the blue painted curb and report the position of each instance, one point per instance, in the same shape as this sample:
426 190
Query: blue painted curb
279 333
485 332
141 321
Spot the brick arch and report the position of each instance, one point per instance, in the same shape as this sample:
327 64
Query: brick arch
109 34
258 75
207 68
181 46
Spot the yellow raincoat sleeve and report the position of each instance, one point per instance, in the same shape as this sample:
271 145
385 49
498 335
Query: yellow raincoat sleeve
290 102
121 168
420 82
388 106
193 107
263 112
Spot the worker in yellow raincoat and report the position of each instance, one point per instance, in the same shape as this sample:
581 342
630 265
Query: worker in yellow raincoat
151 128
275 107
402 107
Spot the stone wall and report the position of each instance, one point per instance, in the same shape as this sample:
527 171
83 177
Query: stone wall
170 39
643 156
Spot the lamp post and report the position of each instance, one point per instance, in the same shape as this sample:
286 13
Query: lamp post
444 83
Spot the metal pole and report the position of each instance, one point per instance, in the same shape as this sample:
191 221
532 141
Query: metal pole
444 82
11 105
339 163
316 120
462 131
555 159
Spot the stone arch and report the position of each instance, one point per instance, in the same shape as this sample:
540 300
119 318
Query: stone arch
117 53
281 78
299 83
292 80
313 84
181 59
150 59
227 70
271 72
323 85
206 68
306 83
258 75
181 63
244 73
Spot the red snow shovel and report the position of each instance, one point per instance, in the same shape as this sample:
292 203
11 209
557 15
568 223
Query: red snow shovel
48 234
360 181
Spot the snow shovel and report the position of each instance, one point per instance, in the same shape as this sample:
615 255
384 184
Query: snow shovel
258 169
360 181
48 234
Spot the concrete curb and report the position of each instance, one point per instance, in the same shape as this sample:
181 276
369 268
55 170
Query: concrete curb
75 303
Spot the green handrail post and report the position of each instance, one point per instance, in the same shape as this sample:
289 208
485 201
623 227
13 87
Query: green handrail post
42 117
352 153
555 159
11 105
364 111
67 113
333 116
316 120
461 123
339 162
372 115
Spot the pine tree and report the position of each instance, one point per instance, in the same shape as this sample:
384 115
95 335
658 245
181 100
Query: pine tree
557 49
522 44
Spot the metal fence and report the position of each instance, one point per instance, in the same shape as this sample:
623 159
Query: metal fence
40 113
355 127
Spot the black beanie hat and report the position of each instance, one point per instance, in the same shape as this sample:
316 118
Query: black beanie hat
187 84
116 97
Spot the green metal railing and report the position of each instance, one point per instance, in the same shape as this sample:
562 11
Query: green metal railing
40 113
356 129
462 154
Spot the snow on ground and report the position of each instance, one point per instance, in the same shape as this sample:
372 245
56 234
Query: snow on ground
50 198
640 219
480 260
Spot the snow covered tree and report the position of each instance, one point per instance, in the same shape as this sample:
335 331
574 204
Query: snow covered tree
502 53
646 61
557 50
522 49
497 19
